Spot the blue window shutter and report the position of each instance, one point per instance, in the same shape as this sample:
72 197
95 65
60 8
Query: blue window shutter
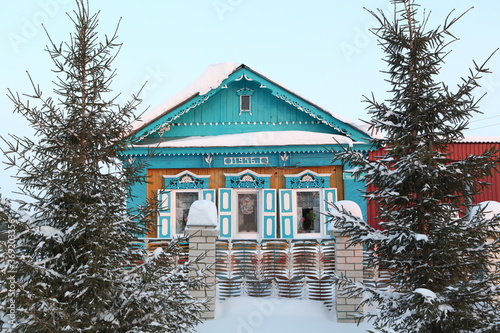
165 214
287 216
329 196
225 211
208 195
269 213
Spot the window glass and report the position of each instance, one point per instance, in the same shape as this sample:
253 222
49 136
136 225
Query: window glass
247 212
308 212
183 202
245 103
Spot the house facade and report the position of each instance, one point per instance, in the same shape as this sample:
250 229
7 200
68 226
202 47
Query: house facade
260 152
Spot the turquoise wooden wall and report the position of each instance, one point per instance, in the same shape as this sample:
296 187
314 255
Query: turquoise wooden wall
221 115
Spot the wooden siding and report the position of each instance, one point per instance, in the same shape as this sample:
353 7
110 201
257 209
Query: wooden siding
218 180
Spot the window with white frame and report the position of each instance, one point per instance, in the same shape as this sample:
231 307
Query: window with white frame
245 103
183 201
248 211
176 198
303 204
245 100
247 206
308 210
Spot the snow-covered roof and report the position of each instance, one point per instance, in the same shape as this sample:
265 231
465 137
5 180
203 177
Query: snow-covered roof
255 139
480 139
211 78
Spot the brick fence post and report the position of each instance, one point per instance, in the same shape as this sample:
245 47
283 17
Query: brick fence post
349 263
202 231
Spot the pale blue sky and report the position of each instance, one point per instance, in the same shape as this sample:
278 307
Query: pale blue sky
319 49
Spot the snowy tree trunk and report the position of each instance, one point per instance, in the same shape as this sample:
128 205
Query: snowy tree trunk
202 243
348 263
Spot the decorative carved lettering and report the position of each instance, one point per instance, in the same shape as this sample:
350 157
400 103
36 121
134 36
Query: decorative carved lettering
246 160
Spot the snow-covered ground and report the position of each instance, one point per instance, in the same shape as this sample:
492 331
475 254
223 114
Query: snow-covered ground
275 315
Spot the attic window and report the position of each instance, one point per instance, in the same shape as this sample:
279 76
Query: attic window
245 103
245 100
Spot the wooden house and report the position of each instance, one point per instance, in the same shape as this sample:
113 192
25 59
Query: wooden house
262 153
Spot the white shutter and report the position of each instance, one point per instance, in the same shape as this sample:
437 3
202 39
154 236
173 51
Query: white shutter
165 214
225 211
269 213
329 196
287 216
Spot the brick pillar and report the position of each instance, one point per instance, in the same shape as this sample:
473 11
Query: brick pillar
348 263
202 241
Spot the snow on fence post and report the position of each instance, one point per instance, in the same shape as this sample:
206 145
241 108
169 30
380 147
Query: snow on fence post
201 228
348 263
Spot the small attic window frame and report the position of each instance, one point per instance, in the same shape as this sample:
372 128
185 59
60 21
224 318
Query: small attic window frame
245 100
245 103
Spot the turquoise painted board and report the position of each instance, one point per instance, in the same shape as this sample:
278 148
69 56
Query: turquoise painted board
208 195
138 199
353 190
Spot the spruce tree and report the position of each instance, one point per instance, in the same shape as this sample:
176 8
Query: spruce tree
73 261
443 277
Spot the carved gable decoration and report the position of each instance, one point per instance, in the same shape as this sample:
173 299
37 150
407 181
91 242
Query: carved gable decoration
172 118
